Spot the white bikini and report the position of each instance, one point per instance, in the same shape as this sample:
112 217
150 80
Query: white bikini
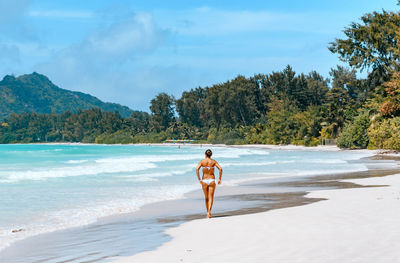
208 181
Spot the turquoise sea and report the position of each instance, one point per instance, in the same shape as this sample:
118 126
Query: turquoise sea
44 188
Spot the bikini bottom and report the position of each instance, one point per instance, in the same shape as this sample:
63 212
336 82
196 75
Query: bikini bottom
208 181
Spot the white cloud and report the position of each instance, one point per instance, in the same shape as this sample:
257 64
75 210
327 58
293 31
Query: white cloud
115 44
136 35
60 13
104 63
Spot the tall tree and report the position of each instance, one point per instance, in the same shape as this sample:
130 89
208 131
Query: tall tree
345 78
139 122
317 88
233 103
338 103
373 43
162 109
190 106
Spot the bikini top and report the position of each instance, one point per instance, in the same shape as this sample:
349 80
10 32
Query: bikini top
208 167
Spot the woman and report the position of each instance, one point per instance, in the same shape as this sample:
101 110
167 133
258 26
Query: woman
208 181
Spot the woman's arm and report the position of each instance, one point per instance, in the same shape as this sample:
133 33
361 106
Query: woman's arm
197 172
220 171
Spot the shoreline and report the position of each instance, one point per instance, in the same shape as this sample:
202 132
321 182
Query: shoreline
387 152
315 218
259 201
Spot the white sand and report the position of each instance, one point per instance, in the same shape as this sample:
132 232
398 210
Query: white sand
290 147
353 225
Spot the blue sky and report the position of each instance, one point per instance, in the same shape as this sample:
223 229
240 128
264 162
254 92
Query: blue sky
128 51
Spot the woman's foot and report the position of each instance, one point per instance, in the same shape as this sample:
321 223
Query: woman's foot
209 215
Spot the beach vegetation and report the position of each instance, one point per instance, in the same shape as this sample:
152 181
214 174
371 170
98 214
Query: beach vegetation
162 112
384 133
371 44
355 133
120 137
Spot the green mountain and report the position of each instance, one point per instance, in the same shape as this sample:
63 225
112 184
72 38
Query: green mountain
36 93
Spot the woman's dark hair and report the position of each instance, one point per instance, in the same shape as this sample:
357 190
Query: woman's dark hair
208 153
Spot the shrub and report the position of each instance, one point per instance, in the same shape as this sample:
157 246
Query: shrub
355 134
120 136
385 134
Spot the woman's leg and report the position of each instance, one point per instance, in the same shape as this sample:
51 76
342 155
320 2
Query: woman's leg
211 190
205 190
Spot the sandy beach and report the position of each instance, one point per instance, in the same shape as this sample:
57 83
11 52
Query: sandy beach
350 225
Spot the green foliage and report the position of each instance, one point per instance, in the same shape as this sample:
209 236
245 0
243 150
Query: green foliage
190 107
227 136
233 103
83 126
152 137
355 134
162 109
244 101
288 125
302 91
138 122
372 43
120 137
384 133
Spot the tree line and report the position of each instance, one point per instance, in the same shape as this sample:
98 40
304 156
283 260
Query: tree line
277 108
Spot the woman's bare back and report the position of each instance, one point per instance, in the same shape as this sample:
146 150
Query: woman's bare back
208 168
